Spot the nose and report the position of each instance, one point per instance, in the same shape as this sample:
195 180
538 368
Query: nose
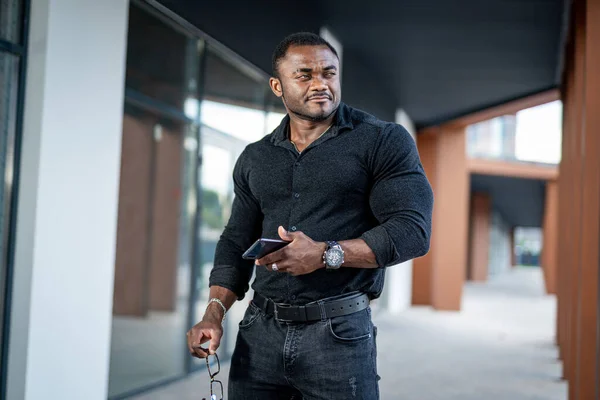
319 84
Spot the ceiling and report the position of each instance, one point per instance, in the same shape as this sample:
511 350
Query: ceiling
449 58
519 201
436 59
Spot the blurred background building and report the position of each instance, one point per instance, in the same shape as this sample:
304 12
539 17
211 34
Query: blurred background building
121 121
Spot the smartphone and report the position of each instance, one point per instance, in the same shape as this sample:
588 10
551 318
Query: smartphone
262 247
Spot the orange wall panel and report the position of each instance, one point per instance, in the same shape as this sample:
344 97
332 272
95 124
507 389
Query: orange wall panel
133 228
586 378
579 205
550 237
423 266
450 220
438 277
479 237
165 222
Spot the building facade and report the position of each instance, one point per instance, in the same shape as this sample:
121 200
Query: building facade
120 123
131 128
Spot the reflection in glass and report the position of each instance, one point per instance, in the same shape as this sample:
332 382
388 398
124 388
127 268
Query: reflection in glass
9 74
162 185
219 152
156 56
225 82
157 206
247 124
273 120
233 115
275 111
152 268
10 20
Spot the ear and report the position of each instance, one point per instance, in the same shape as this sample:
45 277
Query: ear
275 85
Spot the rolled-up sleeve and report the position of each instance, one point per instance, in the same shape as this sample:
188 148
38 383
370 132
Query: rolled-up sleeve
230 270
401 199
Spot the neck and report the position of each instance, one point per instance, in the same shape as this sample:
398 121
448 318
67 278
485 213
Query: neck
303 132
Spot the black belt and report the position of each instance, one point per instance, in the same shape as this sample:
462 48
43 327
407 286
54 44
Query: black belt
313 312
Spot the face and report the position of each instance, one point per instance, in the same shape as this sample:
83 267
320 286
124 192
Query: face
309 82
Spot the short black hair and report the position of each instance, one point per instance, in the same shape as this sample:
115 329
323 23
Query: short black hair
298 39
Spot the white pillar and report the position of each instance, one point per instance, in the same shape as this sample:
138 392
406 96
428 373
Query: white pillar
67 210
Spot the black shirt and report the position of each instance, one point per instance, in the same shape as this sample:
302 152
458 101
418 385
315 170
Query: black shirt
362 179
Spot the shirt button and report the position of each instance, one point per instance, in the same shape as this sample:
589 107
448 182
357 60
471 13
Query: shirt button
296 195
293 228
294 297
296 164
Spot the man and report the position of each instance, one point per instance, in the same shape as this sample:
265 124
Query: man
350 194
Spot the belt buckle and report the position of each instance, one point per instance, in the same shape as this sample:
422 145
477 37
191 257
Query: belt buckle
276 312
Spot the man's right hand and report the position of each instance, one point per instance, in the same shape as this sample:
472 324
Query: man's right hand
208 329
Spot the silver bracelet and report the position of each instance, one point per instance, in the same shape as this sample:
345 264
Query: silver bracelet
219 302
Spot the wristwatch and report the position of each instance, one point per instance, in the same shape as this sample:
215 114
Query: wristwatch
333 257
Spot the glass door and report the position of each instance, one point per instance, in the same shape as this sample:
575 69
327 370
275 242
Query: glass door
219 153
157 205
13 42
153 257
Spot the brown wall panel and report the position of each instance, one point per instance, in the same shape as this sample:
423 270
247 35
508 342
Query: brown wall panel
575 243
438 277
511 107
423 266
130 292
450 220
550 237
587 296
479 243
565 207
508 168
165 221
579 204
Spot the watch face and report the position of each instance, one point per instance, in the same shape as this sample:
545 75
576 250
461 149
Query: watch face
335 257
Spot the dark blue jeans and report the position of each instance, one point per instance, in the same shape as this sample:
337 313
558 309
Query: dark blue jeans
330 359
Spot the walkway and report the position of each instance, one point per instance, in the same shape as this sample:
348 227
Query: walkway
500 347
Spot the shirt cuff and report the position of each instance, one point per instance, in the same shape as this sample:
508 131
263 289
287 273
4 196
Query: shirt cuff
380 243
229 277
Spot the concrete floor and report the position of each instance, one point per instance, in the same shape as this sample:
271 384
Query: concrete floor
499 347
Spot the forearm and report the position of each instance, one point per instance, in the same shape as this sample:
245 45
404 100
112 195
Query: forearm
357 254
214 311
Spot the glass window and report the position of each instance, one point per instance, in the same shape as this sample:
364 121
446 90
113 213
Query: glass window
167 129
219 154
153 257
157 207
156 56
275 111
9 74
233 115
10 20
246 124
234 102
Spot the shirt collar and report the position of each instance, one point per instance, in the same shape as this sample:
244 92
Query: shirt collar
342 121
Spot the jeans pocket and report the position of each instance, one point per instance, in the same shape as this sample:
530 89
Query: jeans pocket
352 328
250 316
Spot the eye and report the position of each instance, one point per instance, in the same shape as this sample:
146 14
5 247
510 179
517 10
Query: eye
330 74
304 76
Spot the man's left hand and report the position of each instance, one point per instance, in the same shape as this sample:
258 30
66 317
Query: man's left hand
302 256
